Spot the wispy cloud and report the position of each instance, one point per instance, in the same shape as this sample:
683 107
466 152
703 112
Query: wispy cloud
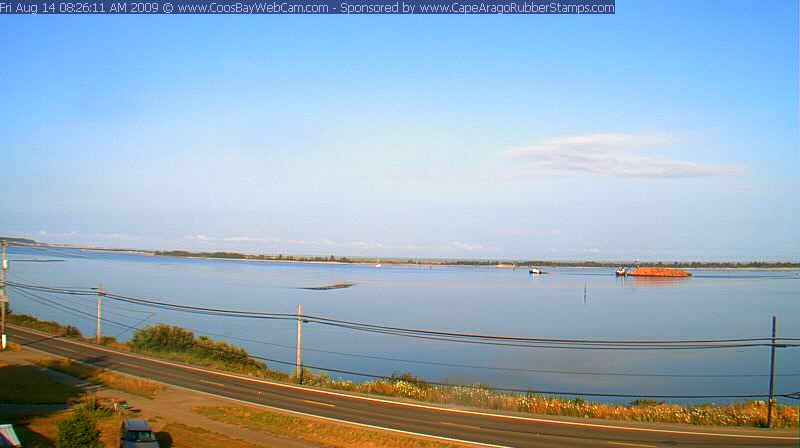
469 247
106 237
613 154
204 239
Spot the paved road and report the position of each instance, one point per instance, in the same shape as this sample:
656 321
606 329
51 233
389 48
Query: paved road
482 428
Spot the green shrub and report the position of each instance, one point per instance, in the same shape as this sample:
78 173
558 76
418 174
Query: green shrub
48 326
78 431
162 338
168 340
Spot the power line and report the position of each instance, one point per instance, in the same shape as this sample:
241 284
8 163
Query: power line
575 344
411 361
34 297
505 369
39 299
527 391
64 251
29 282
361 325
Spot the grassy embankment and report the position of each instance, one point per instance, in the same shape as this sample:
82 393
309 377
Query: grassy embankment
41 431
29 385
94 375
107 378
181 345
323 433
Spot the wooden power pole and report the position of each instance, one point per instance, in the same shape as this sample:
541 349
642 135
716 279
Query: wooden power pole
298 361
771 374
99 305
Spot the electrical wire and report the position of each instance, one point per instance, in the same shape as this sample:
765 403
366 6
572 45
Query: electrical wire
41 300
361 325
34 297
409 361
63 251
575 344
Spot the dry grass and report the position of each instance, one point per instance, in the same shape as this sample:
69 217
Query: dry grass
136 386
35 432
748 413
41 432
327 434
13 347
26 385
179 436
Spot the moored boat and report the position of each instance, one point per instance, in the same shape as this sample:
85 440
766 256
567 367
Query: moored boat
659 272
621 272
534 271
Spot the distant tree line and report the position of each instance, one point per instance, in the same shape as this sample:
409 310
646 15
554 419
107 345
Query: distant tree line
17 240
489 262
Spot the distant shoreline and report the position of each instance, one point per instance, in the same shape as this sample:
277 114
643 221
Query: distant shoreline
429 262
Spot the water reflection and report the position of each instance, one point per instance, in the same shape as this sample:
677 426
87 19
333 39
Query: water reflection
570 303
646 282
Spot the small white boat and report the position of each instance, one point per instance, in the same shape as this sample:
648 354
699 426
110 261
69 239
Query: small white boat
534 271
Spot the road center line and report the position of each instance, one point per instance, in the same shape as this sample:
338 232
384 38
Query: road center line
320 404
631 444
460 426
212 383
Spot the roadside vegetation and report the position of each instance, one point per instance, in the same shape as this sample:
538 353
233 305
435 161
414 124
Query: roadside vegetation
176 343
179 344
323 433
80 430
189 436
113 380
746 413
48 326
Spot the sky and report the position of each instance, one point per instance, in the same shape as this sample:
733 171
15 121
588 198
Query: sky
667 131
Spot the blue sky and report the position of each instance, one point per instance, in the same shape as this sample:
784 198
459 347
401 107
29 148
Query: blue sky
667 131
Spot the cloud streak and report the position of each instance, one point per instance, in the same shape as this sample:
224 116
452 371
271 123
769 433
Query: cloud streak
614 155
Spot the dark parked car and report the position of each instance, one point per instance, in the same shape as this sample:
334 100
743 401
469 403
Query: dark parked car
136 433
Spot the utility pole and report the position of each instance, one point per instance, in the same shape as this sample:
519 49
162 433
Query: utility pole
771 373
99 304
298 362
3 298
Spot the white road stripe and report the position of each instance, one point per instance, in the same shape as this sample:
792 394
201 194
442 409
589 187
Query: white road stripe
344 422
631 444
459 426
320 404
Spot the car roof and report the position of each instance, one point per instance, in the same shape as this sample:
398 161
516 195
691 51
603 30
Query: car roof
136 425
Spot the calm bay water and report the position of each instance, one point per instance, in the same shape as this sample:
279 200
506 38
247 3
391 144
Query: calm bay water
709 305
